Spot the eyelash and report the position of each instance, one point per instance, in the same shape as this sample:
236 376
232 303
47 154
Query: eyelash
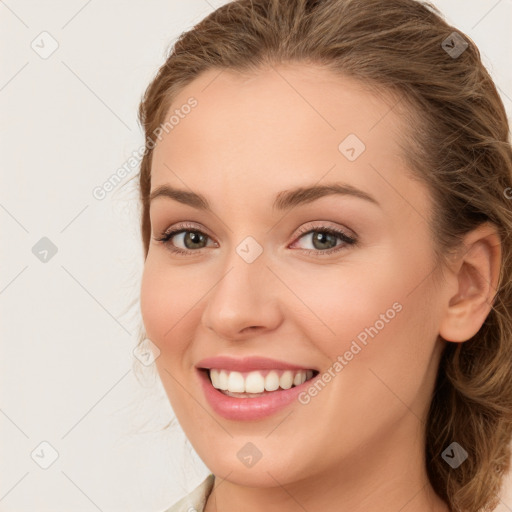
346 239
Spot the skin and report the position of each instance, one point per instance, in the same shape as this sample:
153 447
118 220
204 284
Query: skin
358 445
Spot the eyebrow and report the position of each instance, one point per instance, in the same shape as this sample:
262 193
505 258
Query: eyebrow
285 200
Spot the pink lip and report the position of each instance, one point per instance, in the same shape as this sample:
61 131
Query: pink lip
247 409
247 364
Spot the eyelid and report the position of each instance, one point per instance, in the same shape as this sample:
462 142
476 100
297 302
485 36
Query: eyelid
187 226
346 238
325 225
309 226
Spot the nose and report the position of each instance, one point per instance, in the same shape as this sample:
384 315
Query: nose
244 301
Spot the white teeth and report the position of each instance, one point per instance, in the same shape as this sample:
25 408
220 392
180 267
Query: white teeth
299 378
254 382
286 380
271 381
214 377
236 382
223 380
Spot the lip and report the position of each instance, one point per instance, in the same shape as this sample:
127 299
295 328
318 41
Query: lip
247 364
248 409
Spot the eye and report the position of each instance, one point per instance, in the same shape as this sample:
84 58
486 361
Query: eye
185 234
324 239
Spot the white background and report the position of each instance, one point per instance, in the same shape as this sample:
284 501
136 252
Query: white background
68 123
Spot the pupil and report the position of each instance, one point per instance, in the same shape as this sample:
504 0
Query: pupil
194 237
323 238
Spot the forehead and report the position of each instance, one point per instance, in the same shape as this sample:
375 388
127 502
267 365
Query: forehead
282 126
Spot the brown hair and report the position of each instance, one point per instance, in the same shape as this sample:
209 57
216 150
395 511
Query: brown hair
458 146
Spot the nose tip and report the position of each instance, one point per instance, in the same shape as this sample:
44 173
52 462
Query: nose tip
242 303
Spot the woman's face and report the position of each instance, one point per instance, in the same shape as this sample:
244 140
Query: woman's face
263 273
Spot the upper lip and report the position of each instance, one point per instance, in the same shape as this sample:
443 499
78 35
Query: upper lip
247 364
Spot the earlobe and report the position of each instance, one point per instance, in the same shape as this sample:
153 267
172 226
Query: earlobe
476 274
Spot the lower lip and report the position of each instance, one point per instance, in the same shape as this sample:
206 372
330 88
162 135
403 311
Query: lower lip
248 409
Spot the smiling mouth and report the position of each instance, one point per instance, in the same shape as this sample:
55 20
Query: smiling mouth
256 383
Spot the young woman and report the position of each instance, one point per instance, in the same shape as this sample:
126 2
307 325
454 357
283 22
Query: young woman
326 218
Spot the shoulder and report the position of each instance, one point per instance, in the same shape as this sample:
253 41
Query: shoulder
196 500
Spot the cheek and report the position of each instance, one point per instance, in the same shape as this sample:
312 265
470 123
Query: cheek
164 300
379 315
153 303
342 303
397 363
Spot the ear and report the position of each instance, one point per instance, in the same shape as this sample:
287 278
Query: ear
475 274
